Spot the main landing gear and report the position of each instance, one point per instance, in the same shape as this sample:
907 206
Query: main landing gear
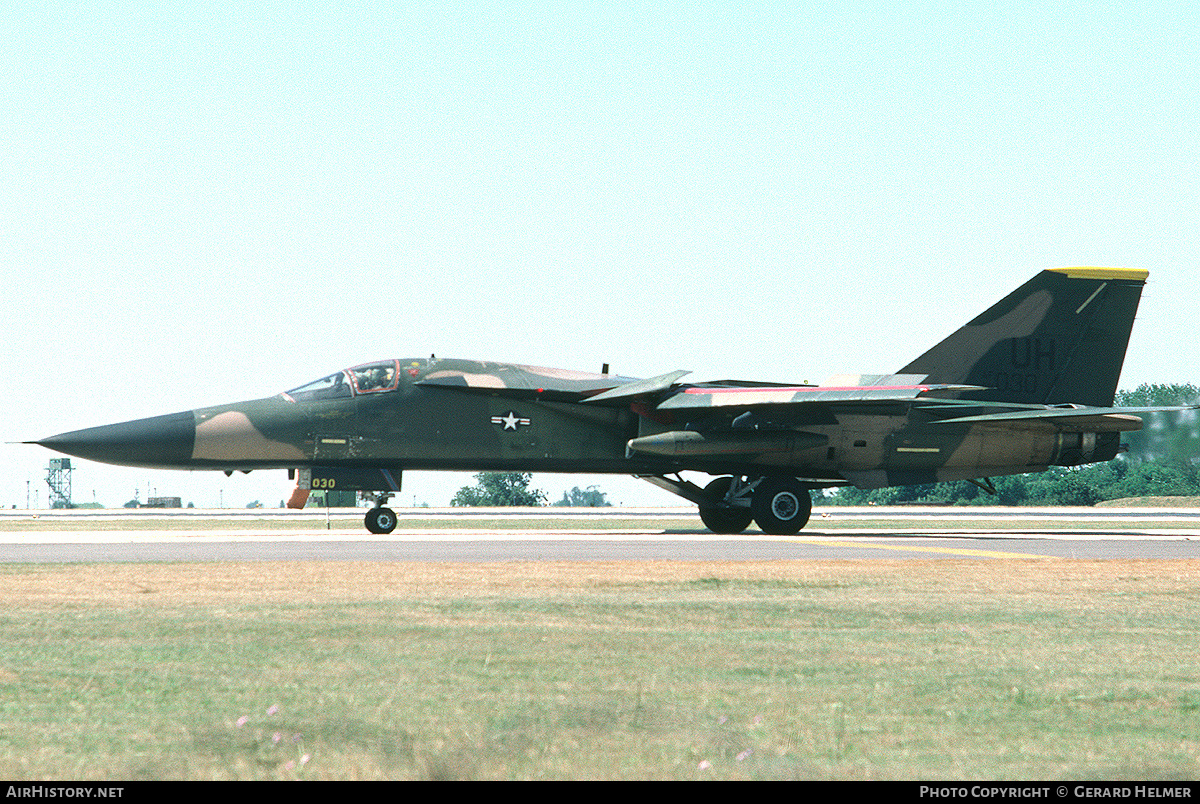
780 506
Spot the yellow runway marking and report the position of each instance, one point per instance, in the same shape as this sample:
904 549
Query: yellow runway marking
953 551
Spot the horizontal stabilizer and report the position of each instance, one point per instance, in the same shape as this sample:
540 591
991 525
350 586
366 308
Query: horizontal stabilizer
1099 420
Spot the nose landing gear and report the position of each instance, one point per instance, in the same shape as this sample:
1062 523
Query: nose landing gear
376 484
380 519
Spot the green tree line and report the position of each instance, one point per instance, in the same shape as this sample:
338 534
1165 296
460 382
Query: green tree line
500 489
512 489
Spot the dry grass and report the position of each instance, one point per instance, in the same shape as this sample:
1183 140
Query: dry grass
951 669
289 583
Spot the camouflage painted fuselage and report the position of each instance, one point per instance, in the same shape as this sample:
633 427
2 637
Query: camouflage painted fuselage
436 415
446 424
1024 386
470 415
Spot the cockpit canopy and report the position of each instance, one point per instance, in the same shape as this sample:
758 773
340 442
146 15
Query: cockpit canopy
371 378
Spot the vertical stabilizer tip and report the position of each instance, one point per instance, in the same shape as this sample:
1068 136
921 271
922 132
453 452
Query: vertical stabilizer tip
1131 274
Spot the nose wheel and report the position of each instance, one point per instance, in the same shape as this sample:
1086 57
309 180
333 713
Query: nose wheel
381 520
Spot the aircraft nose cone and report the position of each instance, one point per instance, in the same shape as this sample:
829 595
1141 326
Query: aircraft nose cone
160 441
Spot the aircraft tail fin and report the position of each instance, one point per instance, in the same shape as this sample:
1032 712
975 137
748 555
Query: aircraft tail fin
1059 338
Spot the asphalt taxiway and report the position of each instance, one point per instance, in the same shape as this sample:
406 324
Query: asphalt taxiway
661 535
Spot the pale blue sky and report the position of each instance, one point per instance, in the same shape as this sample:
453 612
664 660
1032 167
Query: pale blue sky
213 203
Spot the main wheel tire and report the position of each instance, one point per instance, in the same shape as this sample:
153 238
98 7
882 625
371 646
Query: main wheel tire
781 506
381 520
723 518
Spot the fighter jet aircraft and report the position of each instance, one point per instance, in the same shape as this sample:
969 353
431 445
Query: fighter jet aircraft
1027 385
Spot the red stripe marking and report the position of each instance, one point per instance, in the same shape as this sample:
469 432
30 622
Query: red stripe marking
807 389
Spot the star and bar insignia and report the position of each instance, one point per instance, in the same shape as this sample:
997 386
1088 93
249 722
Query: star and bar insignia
511 421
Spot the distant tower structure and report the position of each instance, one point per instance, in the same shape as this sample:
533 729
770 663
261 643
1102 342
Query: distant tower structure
58 478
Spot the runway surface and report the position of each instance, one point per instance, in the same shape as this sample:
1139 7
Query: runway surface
667 534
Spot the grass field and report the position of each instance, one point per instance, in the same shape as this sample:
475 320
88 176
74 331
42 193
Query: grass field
941 669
